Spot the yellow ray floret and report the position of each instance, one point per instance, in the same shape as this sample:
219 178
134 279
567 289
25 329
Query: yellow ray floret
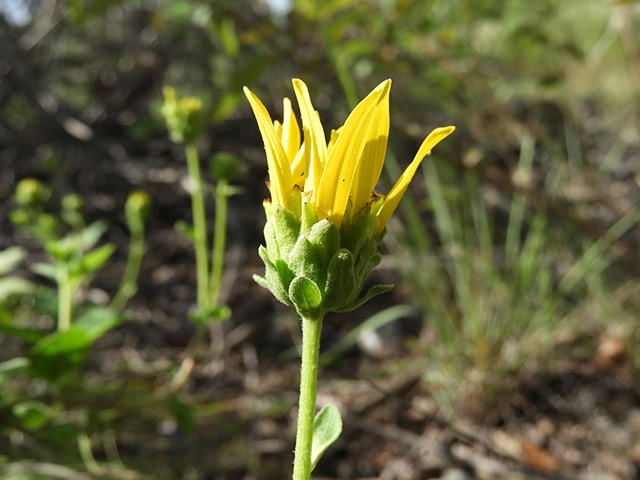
280 180
346 169
337 178
391 201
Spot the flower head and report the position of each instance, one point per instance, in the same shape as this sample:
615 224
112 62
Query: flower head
342 171
324 215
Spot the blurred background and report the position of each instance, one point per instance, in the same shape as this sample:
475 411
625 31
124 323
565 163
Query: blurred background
509 346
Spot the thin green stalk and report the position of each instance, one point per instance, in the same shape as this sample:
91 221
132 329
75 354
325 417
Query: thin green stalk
132 269
199 224
65 296
311 329
84 448
219 240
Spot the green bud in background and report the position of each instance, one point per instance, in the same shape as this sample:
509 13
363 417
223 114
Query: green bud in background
20 217
184 117
224 166
71 205
72 202
31 191
137 208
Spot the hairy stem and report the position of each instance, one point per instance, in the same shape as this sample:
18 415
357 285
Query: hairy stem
311 329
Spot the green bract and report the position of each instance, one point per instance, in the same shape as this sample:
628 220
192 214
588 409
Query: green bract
315 266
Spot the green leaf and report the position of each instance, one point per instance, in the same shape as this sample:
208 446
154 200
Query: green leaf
178 10
185 229
90 263
46 270
183 413
304 294
60 353
10 369
14 287
327 427
11 258
31 414
96 321
26 334
205 316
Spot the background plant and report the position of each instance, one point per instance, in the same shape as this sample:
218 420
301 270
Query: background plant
518 257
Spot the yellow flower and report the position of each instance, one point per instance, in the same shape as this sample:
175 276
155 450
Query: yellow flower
340 175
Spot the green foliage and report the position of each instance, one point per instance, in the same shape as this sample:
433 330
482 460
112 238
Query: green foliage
523 232
12 286
327 427
60 354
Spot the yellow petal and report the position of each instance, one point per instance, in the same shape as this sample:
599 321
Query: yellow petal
395 195
300 166
290 131
281 183
373 155
277 126
337 178
316 142
334 138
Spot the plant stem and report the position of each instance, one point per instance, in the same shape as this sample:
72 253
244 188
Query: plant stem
65 295
199 224
311 329
132 269
219 240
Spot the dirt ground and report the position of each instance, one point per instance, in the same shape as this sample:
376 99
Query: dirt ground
573 418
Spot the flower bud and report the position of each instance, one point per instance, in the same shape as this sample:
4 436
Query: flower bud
30 191
314 265
184 116
136 209
324 218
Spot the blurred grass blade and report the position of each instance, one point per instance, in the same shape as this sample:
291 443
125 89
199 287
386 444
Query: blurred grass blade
372 323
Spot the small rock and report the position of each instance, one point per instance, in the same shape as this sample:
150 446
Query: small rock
456 474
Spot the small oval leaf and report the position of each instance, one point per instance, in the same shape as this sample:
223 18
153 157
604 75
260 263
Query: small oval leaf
327 427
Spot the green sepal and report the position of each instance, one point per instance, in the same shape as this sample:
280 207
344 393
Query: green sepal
287 229
372 292
285 274
325 236
276 279
306 261
264 255
367 259
268 209
341 280
261 281
305 295
308 219
360 231
314 265
295 202
271 241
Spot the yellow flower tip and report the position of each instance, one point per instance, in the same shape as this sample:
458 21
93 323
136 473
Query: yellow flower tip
391 201
384 87
433 139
